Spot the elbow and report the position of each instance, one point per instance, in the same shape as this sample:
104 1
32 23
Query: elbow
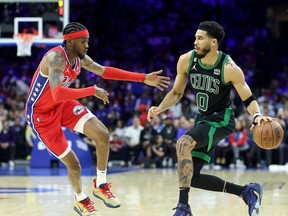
177 93
56 94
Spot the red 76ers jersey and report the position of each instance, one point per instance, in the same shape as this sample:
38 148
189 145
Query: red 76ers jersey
40 97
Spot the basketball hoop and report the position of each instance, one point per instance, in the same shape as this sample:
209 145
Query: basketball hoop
24 43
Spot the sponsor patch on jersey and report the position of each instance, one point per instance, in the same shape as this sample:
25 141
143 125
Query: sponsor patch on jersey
77 110
216 71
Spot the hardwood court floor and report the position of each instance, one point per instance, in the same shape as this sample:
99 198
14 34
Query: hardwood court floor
150 192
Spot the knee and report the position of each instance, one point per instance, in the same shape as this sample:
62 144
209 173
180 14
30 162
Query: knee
101 137
74 167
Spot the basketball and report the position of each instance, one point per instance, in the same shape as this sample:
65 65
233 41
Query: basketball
269 135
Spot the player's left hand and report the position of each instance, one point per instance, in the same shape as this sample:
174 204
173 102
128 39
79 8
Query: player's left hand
160 82
102 94
152 112
259 119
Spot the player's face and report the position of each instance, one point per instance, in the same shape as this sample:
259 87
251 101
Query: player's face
81 46
202 44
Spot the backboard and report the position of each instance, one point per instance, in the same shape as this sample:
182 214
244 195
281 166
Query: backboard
44 18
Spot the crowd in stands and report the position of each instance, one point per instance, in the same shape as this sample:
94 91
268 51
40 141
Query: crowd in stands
159 32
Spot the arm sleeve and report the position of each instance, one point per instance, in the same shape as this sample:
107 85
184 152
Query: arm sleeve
62 94
119 74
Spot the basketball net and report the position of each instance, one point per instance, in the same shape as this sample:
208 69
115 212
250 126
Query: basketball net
24 43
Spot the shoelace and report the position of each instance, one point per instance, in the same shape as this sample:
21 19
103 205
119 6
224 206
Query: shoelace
89 205
106 190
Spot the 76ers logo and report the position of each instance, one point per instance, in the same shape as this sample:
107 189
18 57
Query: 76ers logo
77 110
67 81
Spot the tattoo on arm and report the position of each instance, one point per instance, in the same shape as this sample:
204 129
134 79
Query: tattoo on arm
56 68
230 62
185 172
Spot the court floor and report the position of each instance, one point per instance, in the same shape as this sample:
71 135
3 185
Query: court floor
143 192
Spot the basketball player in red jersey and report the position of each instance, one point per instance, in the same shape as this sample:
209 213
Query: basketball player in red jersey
51 104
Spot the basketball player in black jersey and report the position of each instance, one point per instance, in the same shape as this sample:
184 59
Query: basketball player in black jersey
211 74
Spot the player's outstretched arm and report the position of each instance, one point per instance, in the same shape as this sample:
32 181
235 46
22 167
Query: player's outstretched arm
177 91
152 79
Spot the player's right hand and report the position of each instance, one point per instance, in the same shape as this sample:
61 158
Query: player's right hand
152 112
102 94
259 119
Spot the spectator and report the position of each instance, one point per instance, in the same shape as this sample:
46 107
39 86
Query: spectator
7 144
239 143
146 136
169 133
155 153
117 150
157 124
184 126
22 149
221 153
132 140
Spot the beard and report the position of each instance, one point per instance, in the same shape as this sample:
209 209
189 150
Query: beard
80 55
204 52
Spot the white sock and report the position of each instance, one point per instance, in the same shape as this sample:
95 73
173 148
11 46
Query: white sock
80 196
101 177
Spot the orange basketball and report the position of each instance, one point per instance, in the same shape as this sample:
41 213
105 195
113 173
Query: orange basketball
269 135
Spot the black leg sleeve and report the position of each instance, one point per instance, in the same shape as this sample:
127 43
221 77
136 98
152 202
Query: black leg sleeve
213 183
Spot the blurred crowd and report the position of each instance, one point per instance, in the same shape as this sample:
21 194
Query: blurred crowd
146 36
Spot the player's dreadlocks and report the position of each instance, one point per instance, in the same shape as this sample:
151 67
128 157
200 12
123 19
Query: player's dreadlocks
72 27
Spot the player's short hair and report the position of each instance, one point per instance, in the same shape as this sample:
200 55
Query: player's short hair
73 27
213 29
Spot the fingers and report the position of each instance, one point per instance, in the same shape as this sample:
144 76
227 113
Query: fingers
164 84
102 95
164 78
151 113
106 100
259 120
158 72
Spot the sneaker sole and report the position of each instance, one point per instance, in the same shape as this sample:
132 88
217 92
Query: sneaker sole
79 212
107 204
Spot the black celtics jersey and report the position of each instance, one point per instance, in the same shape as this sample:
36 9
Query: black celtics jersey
212 94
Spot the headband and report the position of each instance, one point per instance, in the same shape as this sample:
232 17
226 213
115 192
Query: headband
74 35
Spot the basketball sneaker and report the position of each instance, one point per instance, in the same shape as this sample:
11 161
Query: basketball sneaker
103 192
182 210
85 208
252 196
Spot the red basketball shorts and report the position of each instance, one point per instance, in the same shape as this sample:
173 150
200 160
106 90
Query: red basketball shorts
47 125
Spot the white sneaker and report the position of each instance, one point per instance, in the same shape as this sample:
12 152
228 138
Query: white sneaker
11 163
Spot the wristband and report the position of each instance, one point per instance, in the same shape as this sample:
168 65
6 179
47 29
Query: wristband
255 116
249 100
